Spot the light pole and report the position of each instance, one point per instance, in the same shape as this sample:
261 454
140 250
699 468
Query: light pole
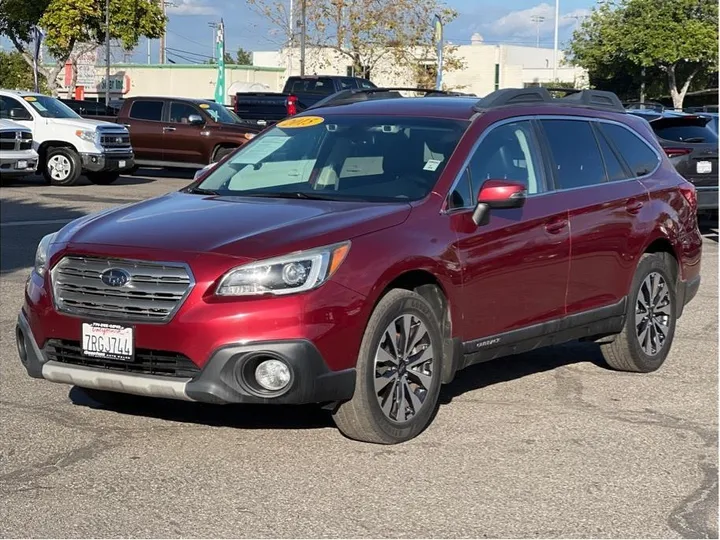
107 52
163 5
538 20
303 15
555 45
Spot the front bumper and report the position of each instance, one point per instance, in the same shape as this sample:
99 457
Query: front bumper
18 164
108 162
225 378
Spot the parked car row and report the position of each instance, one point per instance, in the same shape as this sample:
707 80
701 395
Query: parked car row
362 254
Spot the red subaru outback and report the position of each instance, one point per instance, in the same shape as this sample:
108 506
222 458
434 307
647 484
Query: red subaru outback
360 255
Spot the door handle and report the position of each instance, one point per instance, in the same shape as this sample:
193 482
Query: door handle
168 129
633 206
554 227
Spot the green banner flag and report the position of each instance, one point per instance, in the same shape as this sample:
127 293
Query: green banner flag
220 51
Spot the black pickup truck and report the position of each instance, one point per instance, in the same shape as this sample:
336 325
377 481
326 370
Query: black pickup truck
300 92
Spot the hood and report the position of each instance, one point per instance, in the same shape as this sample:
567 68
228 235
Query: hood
82 123
9 124
231 226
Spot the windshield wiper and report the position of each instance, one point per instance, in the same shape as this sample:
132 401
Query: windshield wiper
202 191
694 139
289 195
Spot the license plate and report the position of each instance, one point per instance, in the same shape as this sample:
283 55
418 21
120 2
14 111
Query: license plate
22 164
121 164
704 167
110 341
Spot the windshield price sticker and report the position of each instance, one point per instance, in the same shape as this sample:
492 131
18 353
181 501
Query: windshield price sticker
204 106
301 122
30 98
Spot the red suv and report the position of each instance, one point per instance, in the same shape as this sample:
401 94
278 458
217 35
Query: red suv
361 254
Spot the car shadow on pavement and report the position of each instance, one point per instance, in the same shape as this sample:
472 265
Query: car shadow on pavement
312 416
35 181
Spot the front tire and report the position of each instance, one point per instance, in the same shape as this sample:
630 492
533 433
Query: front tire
62 167
102 178
221 153
646 339
398 372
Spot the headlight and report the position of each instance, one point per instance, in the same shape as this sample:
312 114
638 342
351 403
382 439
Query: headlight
41 254
85 135
289 274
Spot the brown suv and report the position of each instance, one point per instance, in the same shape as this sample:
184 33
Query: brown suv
180 132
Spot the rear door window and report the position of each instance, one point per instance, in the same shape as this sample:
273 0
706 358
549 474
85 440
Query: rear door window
147 110
576 156
641 159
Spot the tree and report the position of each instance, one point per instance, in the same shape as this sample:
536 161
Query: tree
676 38
15 73
366 32
244 58
68 23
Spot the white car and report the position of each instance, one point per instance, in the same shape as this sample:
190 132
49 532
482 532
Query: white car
17 156
68 145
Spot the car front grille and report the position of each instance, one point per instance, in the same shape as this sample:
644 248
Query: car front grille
115 140
15 140
152 294
146 362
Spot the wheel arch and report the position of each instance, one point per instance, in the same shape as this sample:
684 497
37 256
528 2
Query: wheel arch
660 243
222 146
45 146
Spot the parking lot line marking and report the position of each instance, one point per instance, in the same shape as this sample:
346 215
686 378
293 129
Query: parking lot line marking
38 222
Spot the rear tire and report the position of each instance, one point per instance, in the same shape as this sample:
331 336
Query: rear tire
102 178
62 167
396 389
646 338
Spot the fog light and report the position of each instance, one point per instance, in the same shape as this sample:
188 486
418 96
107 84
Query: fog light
272 375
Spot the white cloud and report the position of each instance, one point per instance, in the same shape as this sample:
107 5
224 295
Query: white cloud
520 24
191 7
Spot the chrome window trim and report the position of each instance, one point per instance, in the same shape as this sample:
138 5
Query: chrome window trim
170 316
539 117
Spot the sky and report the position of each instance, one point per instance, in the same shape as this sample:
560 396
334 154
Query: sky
509 21
190 38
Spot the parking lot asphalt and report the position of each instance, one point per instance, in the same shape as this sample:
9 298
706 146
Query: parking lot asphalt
546 444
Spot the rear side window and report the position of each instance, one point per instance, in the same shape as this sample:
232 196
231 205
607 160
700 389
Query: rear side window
147 110
636 153
575 153
313 86
614 167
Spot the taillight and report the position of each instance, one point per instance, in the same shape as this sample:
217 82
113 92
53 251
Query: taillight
291 105
690 194
677 152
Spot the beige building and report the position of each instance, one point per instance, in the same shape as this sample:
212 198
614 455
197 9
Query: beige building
486 67
192 81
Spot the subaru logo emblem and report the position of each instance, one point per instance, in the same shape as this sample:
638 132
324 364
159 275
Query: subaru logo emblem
115 277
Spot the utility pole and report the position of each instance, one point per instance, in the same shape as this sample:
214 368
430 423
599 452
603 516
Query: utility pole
303 22
107 52
538 20
214 27
162 37
555 45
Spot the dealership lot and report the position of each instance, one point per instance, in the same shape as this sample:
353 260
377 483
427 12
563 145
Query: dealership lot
547 444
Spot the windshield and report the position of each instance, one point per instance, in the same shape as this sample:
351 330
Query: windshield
220 113
49 107
379 159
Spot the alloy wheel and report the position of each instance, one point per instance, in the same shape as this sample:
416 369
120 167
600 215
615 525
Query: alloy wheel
653 312
403 368
59 167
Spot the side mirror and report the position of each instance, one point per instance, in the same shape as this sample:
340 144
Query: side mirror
19 114
202 171
498 194
195 119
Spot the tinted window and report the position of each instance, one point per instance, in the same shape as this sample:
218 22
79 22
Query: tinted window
366 84
343 157
347 84
180 112
687 133
507 153
613 166
575 153
7 104
636 153
313 86
147 110
462 197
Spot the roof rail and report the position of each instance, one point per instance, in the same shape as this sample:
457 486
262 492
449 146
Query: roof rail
594 99
353 95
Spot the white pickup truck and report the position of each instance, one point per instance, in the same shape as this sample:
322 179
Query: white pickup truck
17 156
68 145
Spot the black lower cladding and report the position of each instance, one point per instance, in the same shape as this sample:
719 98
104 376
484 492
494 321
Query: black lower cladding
144 362
312 380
